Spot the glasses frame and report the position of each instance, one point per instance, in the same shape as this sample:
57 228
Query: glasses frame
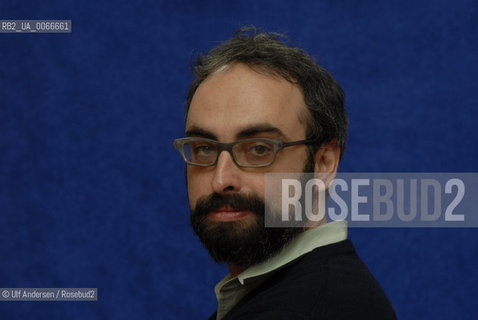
228 146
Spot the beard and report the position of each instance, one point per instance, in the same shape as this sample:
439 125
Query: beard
245 242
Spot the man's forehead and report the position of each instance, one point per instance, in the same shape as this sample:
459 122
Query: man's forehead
239 99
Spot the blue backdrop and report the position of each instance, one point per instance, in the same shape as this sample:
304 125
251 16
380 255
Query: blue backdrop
92 193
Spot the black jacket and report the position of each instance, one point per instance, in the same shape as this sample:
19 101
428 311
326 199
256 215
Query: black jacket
330 282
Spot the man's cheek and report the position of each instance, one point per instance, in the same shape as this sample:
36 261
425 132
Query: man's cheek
193 189
192 202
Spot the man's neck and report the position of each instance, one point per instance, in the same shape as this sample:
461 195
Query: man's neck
234 270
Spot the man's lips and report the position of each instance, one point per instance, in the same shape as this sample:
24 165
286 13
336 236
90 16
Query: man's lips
228 214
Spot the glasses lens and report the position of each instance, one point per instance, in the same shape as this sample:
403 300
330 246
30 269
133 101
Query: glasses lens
255 153
200 152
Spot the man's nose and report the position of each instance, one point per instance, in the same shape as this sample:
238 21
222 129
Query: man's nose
226 175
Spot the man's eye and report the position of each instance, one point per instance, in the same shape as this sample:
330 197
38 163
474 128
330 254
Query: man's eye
260 150
203 149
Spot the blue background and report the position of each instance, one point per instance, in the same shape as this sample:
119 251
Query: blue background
92 193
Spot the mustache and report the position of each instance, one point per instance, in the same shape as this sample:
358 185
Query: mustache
236 201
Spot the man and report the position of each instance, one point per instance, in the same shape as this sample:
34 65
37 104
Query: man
258 106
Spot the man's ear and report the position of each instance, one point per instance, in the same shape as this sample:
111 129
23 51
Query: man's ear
327 161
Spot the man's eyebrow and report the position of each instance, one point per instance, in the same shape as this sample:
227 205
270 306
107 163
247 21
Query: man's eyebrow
260 128
198 132
248 132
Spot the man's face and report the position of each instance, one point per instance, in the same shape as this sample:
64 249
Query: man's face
233 104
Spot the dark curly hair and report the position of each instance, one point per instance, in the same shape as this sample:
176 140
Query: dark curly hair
326 120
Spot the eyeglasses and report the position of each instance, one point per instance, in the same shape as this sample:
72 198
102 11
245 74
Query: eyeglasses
247 153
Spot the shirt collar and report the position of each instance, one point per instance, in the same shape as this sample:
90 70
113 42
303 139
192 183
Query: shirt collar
305 242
